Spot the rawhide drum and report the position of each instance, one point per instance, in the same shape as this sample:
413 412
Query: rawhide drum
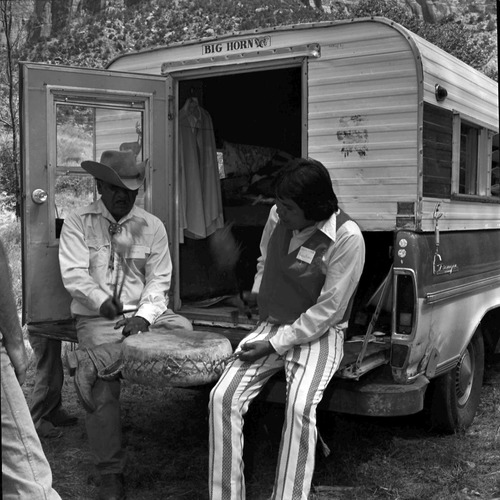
178 358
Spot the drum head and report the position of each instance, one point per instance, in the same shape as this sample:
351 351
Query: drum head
178 358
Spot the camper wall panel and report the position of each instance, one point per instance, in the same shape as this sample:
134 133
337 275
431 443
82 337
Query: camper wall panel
469 92
363 122
438 136
342 36
459 215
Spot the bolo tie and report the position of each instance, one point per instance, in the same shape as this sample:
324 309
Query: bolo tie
115 228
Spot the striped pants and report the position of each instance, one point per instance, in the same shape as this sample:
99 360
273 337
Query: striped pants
308 369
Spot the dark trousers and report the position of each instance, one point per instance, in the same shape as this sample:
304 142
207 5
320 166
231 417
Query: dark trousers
49 378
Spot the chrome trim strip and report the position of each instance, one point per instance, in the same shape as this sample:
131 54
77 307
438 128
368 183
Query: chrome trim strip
449 365
433 297
312 50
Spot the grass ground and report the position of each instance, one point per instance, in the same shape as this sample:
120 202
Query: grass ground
166 439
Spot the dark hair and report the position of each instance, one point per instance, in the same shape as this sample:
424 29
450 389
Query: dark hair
308 183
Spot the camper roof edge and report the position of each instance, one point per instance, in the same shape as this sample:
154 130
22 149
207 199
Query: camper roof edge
286 27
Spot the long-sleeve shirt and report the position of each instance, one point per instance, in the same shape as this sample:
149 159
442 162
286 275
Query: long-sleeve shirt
200 199
136 260
342 265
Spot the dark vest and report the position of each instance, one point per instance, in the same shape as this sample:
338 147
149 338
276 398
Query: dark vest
290 286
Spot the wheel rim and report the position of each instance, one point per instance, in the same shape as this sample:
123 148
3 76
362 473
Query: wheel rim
464 377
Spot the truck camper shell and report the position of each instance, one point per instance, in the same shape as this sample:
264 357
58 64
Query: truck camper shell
378 107
408 133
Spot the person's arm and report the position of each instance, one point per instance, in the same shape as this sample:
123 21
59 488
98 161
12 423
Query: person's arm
9 321
74 262
154 297
343 272
154 300
252 351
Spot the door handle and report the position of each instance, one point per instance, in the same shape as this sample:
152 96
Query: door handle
39 196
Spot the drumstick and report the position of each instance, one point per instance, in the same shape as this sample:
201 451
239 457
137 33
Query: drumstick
231 357
118 288
126 311
121 242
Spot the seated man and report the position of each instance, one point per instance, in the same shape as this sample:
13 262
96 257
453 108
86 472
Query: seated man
312 256
114 258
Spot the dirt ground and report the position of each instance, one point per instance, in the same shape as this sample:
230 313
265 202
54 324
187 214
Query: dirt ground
166 438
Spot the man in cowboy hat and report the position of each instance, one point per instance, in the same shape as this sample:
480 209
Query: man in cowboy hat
114 258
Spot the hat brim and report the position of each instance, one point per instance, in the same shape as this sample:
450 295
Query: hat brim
107 174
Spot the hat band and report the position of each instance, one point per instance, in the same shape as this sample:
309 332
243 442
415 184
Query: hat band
130 176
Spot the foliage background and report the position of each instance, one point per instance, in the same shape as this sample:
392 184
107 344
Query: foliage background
165 430
90 33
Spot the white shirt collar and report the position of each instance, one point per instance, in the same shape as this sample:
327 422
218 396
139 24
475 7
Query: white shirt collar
98 207
327 226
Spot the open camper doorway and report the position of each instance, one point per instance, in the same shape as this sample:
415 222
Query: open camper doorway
256 123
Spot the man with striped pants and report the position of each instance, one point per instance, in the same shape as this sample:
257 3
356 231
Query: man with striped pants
312 256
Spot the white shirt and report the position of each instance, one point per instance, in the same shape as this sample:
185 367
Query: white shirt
92 261
343 265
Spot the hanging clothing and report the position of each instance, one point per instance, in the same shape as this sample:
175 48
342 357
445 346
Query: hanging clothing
200 199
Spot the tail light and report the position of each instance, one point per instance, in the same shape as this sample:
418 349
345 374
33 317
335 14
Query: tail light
404 320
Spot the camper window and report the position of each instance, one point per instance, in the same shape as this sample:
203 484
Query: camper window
468 172
475 161
495 168
82 132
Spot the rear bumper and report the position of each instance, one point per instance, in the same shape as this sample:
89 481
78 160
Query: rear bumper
375 395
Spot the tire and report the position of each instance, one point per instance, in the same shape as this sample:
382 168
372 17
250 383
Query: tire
455 395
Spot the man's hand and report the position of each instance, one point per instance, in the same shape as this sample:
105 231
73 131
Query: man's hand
249 297
110 308
132 326
252 351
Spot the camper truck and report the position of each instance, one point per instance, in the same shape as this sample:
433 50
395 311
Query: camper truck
408 133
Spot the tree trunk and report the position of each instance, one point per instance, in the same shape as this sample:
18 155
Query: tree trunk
92 6
12 120
61 15
35 23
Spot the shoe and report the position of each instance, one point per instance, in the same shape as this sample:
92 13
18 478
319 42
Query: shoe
112 487
46 430
60 418
85 377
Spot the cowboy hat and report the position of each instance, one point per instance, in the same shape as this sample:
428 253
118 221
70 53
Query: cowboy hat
118 168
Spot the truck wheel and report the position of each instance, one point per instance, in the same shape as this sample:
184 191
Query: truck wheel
455 395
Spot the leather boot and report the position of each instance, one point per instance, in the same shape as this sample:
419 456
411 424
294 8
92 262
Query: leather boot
112 487
85 376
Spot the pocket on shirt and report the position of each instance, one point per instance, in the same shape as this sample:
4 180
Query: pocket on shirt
138 254
98 254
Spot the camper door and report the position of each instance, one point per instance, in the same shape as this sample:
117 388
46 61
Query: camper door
257 109
70 115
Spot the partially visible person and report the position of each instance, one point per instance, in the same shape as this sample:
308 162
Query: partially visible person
114 257
46 407
312 256
26 473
